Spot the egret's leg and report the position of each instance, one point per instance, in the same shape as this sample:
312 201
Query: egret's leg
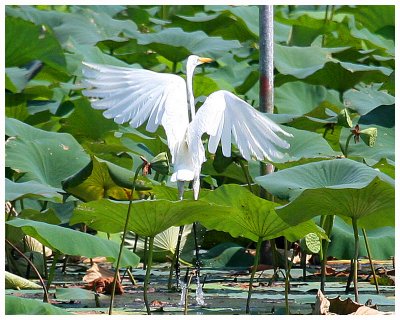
199 288
177 264
196 187
181 188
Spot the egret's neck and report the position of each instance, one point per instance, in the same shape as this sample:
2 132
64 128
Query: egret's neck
189 86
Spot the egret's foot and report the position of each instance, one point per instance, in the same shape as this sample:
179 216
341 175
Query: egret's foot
183 287
199 295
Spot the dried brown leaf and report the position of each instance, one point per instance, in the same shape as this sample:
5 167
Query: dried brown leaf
96 272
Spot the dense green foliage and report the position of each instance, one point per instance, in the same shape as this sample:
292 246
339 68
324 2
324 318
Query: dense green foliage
334 69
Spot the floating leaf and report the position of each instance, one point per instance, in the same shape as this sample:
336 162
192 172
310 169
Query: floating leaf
227 255
83 244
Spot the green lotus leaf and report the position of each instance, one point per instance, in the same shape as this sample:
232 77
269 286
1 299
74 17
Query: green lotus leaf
83 25
302 62
381 241
334 174
386 166
80 244
165 244
26 42
249 216
383 148
74 293
222 24
12 281
358 201
317 66
298 98
17 305
103 179
371 17
31 189
49 215
305 146
16 79
46 157
344 119
148 217
176 44
337 187
227 255
86 123
364 99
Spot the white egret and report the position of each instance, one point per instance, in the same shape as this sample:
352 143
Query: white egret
137 95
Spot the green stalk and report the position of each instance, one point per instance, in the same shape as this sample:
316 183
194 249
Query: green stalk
123 239
370 260
246 174
287 272
148 271
52 270
46 275
356 248
347 145
327 224
253 272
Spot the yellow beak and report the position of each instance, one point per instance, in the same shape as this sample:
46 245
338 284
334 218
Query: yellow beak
205 60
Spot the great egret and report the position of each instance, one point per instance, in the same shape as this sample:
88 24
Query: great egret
137 95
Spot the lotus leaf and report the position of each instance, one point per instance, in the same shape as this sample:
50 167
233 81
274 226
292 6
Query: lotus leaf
56 238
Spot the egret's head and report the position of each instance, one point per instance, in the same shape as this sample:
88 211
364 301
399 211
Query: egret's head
194 61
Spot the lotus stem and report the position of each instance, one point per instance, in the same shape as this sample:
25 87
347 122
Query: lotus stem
346 147
45 292
176 258
253 272
123 239
46 275
148 271
356 248
327 224
52 269
370 260
185 310
246 174
286 278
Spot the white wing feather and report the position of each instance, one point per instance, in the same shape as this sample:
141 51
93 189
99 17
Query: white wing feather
223 116
137 95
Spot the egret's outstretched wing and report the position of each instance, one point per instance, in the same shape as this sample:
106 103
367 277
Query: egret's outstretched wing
224 115
136 95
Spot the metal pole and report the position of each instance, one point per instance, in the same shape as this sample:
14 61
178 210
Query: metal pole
266 59
266 14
